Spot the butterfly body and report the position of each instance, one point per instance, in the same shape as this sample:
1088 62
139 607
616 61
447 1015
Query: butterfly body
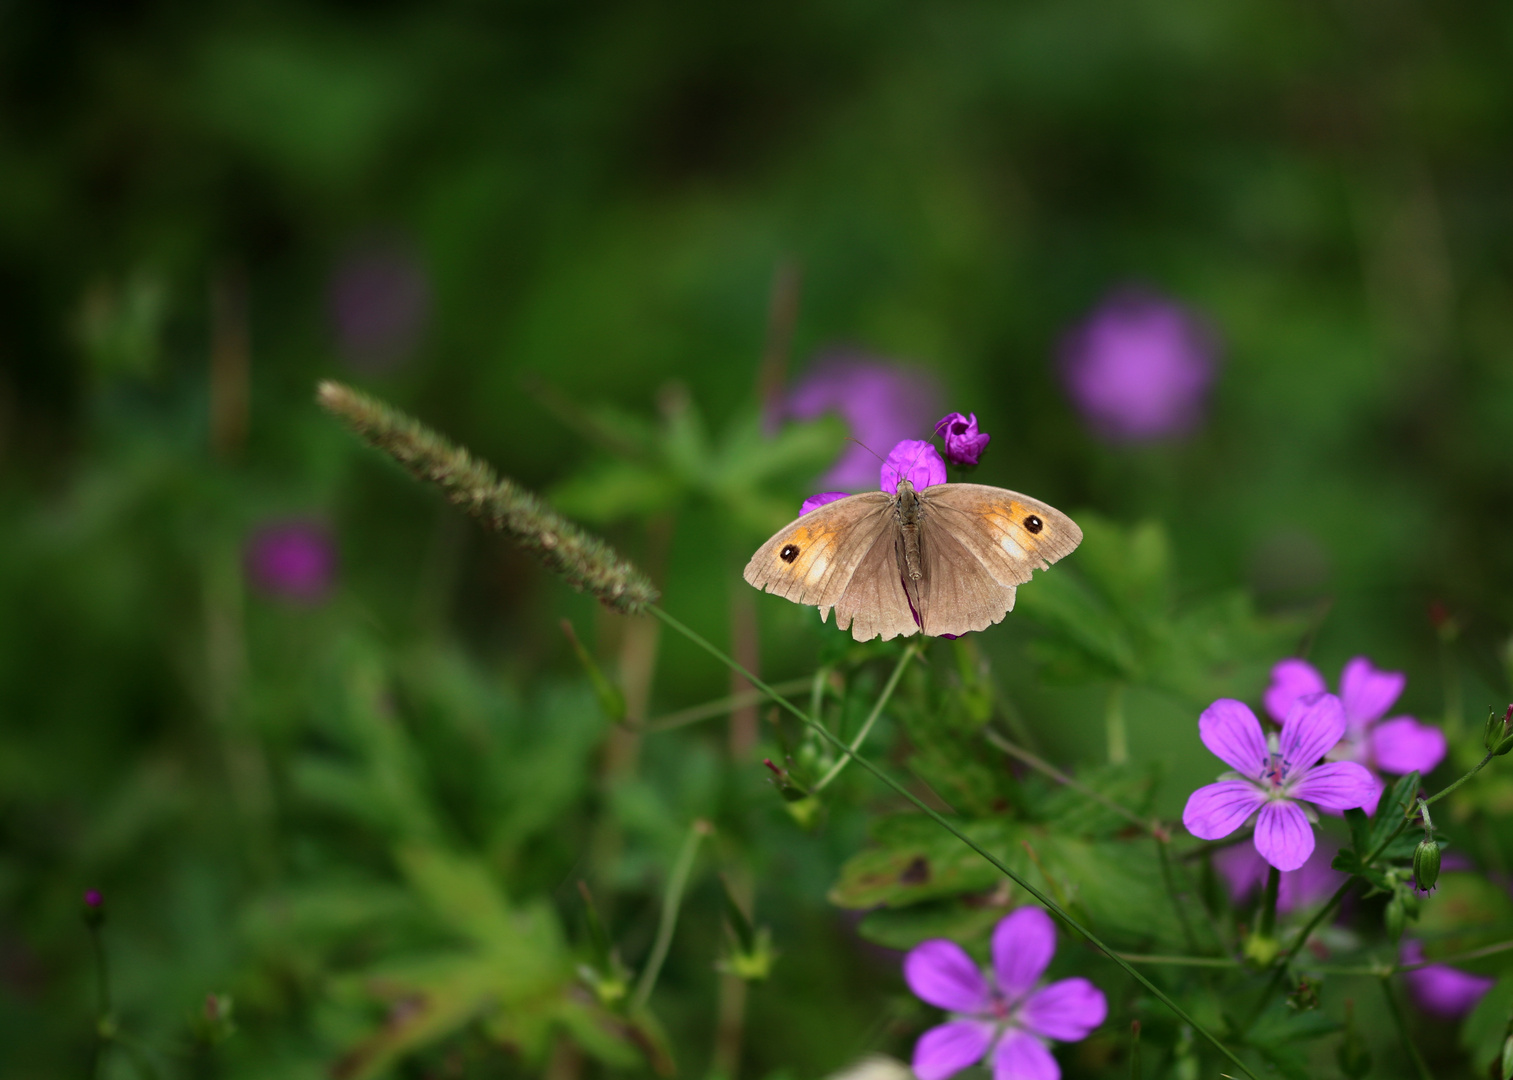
944 560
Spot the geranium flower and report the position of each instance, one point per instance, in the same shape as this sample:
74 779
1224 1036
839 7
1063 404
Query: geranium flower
1244 871
1273 779
814 502
1439 988
1139 367
879 401
1398 746
913 460
1000 1015
378 301
963 442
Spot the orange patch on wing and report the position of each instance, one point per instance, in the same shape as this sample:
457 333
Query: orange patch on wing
812 544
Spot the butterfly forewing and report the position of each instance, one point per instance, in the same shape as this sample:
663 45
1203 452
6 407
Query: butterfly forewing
1011 534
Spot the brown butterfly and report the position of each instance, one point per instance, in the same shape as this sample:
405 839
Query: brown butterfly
943 560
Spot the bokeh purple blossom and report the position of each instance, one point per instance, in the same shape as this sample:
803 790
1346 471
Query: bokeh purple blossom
1275 777
880 402
1139 367
378 301
1397 746
292 560
814 502
1439 989
1005 1015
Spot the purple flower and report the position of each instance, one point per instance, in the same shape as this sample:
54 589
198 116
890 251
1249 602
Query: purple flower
963 442
1002 1015
915 461
1273 778
1244 871
1139 367
814 502
1440 989
1398 746
295 560
378 302
880 402
92 898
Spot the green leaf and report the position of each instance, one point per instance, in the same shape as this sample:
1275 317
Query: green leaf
1389 812
1487 1026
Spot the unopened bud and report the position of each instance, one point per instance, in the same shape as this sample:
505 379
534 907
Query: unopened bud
1507 1058
94 907
1396 918
1426 864
1507 734
1492 732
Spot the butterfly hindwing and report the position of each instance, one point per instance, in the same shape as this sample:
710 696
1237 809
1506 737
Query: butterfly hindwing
956 593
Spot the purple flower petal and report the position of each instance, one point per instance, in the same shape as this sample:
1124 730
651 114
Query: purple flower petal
1402 745
1023 944
1216 810
1283 836
916 461
945 1050
963 442
880 403
941 973
1311 730
1290 680
1336 785
1067 1010
1440 989
1232 732
294 560
1367 693
1021 1056
814 502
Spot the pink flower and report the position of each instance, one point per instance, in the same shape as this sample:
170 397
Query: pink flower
1139 367
1398 746
814 502
1001 1015
1275 777
915 461
1244 871
963 442
1439 988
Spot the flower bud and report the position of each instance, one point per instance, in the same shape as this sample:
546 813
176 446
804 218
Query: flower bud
1426 864
1492 731
1396 918
94 908
1507 1058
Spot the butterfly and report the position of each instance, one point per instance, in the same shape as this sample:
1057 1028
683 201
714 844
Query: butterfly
943 560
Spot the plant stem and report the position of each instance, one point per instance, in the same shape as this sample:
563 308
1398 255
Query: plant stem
1181 961
1379 970
1402 1027
1044 900
718 707
1113 719
1268 920
672 900
910 652
1437 796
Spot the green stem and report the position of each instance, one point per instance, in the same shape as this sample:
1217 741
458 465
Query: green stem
1441 794
1181 961
677 881
1402 1028
1268 921
711 709
1044 900
1113 720
910 652
1179 903
1379 970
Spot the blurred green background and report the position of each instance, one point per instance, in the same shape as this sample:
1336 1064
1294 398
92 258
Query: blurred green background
580 212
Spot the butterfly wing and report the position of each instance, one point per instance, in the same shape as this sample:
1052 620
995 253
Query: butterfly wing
976 544
840 556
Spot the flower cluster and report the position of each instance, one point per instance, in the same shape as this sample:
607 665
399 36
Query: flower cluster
918 461
1005 1016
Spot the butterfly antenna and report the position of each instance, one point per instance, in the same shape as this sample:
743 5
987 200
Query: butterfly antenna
864 446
